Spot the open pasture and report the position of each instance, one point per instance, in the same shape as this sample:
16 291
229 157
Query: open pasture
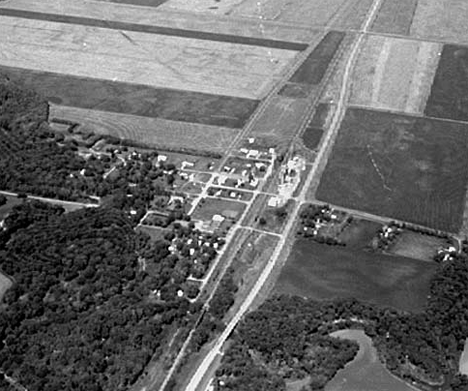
148 59
171 21
394 74
145 101
323 272
157 133
395 17
408 168
449 92
443 20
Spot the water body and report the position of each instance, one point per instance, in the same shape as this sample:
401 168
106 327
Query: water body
365 372
463 366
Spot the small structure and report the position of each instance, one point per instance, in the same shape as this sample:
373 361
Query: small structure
162 158
273 202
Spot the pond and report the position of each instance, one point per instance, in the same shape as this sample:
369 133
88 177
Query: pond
365 372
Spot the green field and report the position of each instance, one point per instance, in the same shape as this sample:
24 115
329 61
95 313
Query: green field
407 168
324 272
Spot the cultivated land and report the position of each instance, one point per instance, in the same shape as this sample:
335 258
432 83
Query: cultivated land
150 131
395 17
449 92
325 272
443 20
145 101
148 59
409 168
169 18
395 74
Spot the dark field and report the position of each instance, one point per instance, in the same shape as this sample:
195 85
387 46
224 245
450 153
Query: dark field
314 67
409 168
125 98
311 137
395 17
296 90
323 272
114 25
449 93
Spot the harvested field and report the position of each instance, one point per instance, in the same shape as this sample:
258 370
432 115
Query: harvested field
408 168
278 124
131 57
314 67
145 101
211 6
161 134
417 246
395 17
5 283
443 20
145 3
449 93
303 12
110 13
323 272
394 74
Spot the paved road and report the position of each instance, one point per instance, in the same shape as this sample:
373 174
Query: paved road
339 113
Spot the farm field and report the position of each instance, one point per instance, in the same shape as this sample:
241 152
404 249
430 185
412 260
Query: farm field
152 132
126 98
313 69
395 17
314 130
154 20
449 92
417 246
323 272
443 20
408 168
277 125
394 74
148 59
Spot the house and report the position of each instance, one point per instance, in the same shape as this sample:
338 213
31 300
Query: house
273 202
162 158
186 164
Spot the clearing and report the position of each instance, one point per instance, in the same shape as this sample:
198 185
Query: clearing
5 284
408 168
394 74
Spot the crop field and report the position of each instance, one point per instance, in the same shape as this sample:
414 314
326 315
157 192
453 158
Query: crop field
152 132
395 74
417 246
441 20
154 20
408 168
395 17
278 124
323 272
105 95
449 92
313 69
140 58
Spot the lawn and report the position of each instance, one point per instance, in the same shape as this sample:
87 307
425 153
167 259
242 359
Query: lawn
323 272
407 168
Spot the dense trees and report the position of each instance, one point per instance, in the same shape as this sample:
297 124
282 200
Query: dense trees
82 313
284 338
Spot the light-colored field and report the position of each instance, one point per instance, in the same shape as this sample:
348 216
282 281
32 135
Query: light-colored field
307 12
212 6
5 283
151 131
395 74
168 17
160 61
444 20
463 367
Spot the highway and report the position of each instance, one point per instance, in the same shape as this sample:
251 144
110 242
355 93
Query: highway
324 150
